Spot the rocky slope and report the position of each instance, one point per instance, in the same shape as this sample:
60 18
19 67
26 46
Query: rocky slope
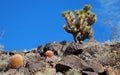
91 58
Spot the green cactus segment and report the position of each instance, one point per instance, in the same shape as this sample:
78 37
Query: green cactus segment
73 28
63 14
80 22
87 7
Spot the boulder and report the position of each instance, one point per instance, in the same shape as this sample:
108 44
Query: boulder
74 48
72 62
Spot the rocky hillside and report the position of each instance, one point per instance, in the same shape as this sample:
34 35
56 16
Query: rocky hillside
65 58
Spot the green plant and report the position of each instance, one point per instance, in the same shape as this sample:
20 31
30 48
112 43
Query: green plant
73 72
79 25
114 58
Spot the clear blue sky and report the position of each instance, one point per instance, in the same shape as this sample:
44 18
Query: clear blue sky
26 24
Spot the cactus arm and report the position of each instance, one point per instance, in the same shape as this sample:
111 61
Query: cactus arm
67 29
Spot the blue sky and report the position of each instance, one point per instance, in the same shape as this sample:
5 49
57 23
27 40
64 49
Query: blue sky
26 24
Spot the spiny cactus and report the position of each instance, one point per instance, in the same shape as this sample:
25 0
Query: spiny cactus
49 53
79 23
16 61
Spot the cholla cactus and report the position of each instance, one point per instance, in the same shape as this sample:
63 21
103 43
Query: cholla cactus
79 25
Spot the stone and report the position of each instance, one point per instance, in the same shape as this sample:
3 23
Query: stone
73 72
112 71
40 50
70 62
73 48
115 46
65 44
35 64
24 71
11 72
59 73
89 73
96 52
55 47
47 71
98 68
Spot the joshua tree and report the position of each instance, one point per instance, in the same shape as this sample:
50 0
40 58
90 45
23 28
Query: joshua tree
79 25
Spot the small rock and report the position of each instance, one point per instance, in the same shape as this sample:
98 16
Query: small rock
11 72
73 72
89 73
65 44
59 73
48 71
112 71
40 50
74 48
24 71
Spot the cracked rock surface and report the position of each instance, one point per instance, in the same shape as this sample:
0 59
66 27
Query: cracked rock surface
69 58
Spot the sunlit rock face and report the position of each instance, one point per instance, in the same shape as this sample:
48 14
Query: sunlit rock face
68 58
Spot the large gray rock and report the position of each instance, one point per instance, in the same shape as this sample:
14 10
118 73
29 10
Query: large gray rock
72 62
74 48
97 67
35 64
